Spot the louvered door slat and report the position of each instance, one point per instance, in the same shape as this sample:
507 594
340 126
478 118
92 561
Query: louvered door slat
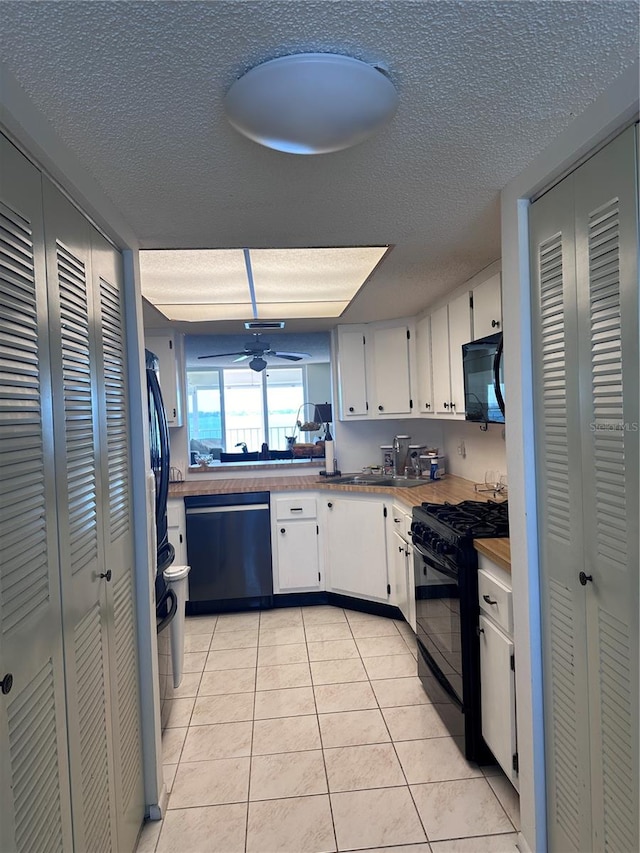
36 786
92 718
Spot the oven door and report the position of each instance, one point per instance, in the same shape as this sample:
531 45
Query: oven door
438 618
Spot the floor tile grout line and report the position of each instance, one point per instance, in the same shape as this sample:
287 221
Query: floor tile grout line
324 761
323 748
500 803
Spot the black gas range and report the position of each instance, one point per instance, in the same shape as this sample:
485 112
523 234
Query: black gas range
446 584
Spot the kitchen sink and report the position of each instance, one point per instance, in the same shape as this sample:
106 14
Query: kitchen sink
372 480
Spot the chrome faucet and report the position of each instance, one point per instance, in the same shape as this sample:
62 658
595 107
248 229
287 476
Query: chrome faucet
400 454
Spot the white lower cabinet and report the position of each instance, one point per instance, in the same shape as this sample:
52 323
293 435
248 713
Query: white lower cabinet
355 538
497 667
400 558
177 529
295 535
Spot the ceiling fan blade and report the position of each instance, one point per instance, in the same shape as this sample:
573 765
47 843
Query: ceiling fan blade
286 355
300 354
223 354
244 357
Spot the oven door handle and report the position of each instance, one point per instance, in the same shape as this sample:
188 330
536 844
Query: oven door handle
437 565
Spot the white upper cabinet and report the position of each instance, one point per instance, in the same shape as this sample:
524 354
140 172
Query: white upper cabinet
424 383
459 334
450 329
391 372
165 347
352 372
487 307
375 365
440 361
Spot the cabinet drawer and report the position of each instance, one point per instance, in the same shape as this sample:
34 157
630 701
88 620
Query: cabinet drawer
401 521
175 514
288 508
495 600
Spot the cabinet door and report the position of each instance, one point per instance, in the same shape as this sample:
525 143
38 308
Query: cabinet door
106 266
35 808
423 354
177 528
606 205
487 308
392 390
164 346
72 313
459 334
352 374
440 361
410 616
298 556
498 701
357 564
398 574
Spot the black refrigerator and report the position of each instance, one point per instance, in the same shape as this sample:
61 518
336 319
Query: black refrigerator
166 599
159 450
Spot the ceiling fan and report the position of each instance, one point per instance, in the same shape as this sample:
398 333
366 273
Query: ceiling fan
256 351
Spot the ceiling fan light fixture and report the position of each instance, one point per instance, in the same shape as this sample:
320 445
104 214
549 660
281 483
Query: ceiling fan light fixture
311 103
257 363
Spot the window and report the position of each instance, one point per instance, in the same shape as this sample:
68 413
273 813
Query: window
229 407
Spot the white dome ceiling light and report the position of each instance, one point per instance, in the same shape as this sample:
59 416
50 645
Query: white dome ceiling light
311 103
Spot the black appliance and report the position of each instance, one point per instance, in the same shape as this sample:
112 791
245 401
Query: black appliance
482 364
229 551
160 464
446 585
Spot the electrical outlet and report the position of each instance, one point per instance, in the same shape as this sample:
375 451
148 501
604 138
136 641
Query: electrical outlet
462 450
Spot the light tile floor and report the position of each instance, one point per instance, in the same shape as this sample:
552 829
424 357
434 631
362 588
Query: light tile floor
305 730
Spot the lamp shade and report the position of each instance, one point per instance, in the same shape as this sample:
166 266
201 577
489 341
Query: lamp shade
311 103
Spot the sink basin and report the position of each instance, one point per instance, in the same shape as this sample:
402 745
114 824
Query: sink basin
372 480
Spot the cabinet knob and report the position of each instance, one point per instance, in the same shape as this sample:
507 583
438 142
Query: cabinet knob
329 505
381 408
397 520
584 578
106 575
350 408
489 600
175 414
427 405
6 684
283 530
495 324
446 405
479 630
400 549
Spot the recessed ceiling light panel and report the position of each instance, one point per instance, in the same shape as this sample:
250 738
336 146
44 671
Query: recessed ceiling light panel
311 103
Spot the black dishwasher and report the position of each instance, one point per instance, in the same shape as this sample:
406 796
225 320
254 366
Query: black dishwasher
229 551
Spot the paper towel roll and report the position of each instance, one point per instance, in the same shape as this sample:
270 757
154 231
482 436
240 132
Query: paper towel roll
329 457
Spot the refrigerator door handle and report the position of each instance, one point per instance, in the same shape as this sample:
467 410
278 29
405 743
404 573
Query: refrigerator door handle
172 599
496 376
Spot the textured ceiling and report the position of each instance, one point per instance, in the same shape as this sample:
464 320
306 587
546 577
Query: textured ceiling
135 90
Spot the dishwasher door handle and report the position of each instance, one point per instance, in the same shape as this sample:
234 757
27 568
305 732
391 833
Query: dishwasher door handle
211 510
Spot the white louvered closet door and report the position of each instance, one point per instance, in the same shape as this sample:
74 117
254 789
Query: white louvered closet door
561 538
108 289
78 478
606 197
34 785
590 626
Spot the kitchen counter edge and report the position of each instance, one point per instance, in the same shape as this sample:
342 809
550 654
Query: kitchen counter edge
497 550
450 489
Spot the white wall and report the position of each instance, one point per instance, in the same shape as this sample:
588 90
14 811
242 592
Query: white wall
483 451
357 443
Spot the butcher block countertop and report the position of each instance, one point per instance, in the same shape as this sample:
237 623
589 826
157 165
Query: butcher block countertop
497 550
450 489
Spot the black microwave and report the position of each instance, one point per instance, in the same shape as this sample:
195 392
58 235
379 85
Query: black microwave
482 365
